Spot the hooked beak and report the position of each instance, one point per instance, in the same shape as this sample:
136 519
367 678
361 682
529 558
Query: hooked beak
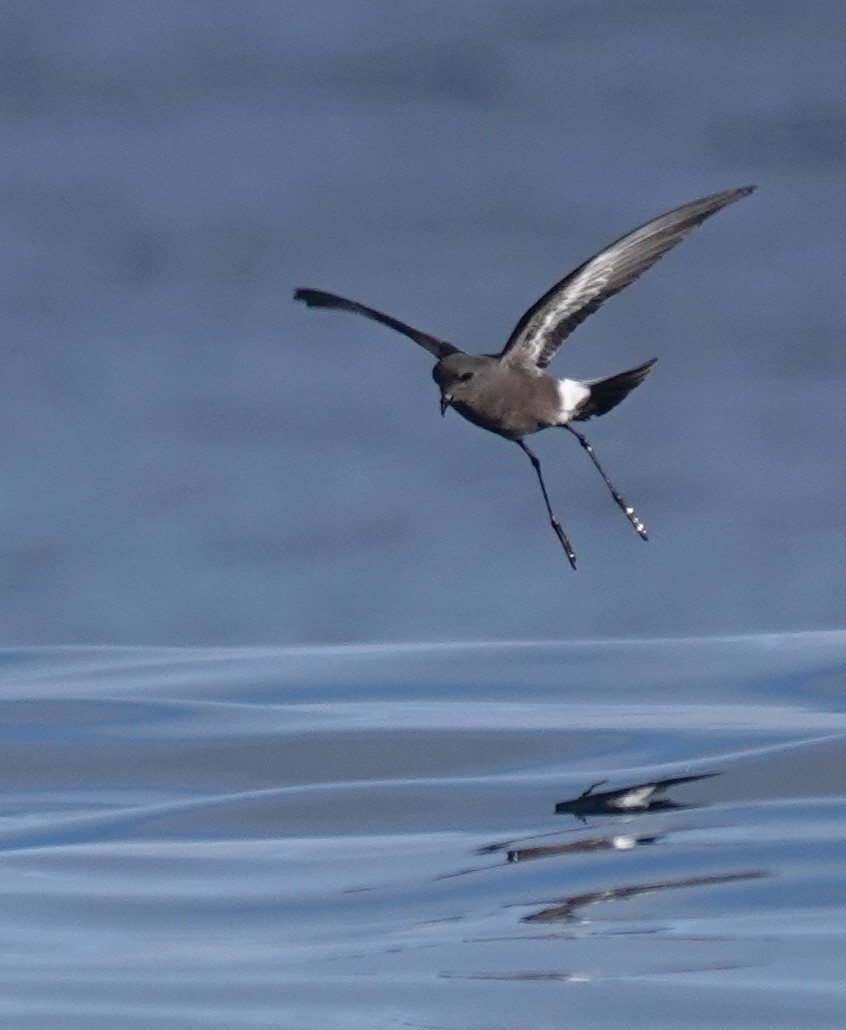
446 400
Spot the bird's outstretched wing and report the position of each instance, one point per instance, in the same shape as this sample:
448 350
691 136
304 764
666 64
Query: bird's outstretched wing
546 324
320 299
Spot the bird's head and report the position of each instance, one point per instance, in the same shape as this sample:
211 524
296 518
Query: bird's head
457 376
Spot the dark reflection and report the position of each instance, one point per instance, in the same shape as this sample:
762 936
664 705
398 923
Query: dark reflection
618 842
638 797
569 909
513 853
606 842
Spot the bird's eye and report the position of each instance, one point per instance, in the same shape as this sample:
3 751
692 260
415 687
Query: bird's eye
465 376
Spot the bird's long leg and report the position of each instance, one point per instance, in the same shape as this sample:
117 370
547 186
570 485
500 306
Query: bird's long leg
587 793
627 509
556 525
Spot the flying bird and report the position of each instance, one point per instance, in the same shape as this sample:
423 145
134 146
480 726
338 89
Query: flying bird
510 393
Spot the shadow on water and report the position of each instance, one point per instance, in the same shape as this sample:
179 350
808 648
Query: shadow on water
322 829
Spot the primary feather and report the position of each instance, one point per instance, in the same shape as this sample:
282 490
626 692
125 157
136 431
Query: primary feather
322 299
545 326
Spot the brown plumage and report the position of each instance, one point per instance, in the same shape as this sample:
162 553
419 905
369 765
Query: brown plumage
509 393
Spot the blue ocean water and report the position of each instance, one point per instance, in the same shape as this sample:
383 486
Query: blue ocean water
191 458
242 785
460 836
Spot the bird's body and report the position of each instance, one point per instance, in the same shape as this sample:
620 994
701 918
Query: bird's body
516 401
487 399
510 393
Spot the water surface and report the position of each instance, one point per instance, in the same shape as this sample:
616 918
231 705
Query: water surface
191 458
460 836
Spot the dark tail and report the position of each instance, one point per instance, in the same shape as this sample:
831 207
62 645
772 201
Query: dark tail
606 394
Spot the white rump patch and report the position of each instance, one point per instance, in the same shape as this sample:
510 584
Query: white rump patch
572 395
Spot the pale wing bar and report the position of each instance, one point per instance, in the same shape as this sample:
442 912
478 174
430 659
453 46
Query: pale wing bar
550 321
321 299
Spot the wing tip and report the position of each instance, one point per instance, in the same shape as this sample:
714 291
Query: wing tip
311 298
730 196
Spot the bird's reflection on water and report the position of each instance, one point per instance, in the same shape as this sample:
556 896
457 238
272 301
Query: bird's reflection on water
570 908
648 796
